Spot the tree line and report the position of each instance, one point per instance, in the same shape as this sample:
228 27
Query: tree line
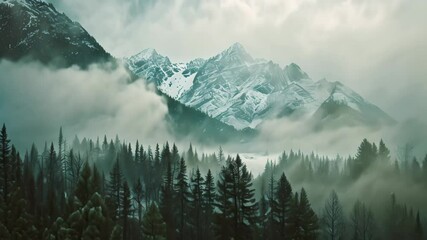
387 219
113 190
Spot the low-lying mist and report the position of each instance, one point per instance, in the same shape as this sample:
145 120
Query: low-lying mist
36 100
283 134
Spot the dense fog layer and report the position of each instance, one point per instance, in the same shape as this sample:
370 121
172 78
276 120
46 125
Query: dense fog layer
36 100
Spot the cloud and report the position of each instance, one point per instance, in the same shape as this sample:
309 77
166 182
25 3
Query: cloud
35 101
277 135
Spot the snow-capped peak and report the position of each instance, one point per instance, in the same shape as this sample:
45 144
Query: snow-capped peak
236 47
146 54
235 54
294 73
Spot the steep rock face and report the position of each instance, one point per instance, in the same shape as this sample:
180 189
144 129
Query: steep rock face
174 79
241 91
35 29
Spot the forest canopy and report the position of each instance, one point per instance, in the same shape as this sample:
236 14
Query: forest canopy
112 189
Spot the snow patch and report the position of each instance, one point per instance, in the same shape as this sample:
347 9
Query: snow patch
176 85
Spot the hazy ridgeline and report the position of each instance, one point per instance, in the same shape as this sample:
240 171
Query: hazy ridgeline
112 189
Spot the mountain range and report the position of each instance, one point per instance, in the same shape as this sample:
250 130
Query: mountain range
243 92
225 97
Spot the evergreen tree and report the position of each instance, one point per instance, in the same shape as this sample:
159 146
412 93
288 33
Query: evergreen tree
266 227
14 174
53 170
223 228
221 157
383 152
15 222
153 225
266 205
29 187
157 178
5 165
34 158
166 156
149 179
333 219
174 159
196 205
236 201
61 158
281 207
83 190
137 158
167 204
126 209
295 221
209 196
182 195
20 222
309 222
190 155
74 168
96 181
98 225
138 197
114 189
366 154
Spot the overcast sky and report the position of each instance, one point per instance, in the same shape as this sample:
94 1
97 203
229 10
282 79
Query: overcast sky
376 47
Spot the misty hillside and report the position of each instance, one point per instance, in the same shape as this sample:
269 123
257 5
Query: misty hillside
186 122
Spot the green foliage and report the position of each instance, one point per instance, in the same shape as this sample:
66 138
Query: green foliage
115 189
366 155
281 207
138 193
153 225
182 200
309 223
5 164
190 209
126 209
196 203
236 202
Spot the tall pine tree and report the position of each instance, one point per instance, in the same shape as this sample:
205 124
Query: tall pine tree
182 199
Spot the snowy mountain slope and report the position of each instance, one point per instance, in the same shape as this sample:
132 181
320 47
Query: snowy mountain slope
174 79
35 29
241 91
